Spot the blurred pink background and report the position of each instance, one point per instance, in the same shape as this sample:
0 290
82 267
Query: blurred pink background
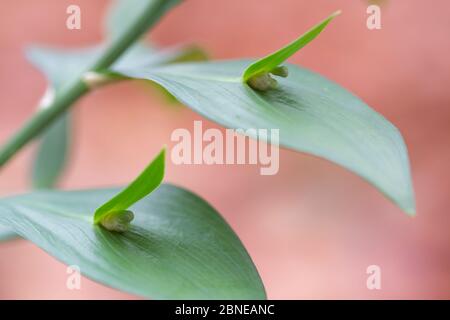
311 230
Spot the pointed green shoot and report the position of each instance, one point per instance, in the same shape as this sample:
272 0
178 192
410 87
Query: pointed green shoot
113 215
269 63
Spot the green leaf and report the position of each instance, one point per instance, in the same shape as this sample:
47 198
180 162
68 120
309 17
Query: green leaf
51 155
148 55
62 66
143 185
53 146
267 64
313 114
59 68
59 65
178 246
6 233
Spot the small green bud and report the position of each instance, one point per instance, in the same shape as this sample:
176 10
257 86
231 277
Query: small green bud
265 82
280 71
262 82
118 221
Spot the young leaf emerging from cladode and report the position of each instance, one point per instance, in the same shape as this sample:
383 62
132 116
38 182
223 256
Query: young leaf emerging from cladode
313 114
178 248
258 74
113 215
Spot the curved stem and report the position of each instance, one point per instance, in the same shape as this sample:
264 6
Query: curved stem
74 90
41 120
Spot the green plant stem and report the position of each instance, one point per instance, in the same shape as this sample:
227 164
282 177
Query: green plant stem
41 120
74 90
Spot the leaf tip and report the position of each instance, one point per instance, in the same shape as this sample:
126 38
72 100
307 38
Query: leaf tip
410 211
407 205
336 13
258 71
162 153
162 158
